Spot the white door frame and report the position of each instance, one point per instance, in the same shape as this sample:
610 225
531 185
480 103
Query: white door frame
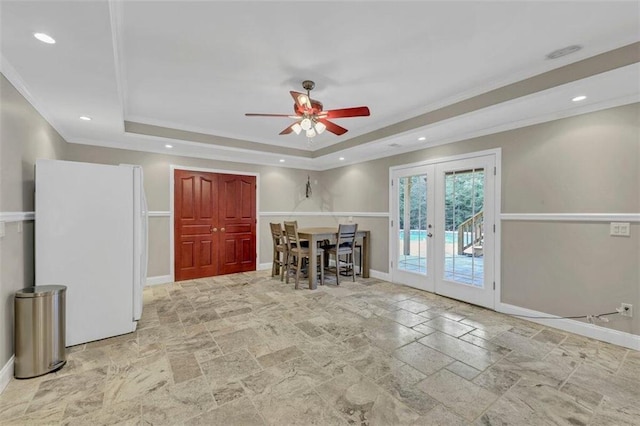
497 203
172 169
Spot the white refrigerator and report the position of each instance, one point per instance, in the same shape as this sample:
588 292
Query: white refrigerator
91 228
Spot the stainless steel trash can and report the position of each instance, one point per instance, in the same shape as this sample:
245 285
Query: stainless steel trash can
39 330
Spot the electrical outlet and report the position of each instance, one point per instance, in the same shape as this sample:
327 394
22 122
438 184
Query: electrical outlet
626 309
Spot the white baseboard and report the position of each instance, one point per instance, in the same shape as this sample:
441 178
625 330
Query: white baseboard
6 374
593 331
264 266
384 276
160 279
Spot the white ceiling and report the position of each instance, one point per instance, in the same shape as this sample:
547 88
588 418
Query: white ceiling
199 66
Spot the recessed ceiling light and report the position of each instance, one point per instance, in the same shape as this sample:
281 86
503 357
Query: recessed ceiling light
45 38
564 51
282 160
168 146
422 138
85 118
341 158
579 98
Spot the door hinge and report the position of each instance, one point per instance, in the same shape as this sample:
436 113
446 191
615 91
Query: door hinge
391 182
494 227
392 264
494 285
392 223
494 171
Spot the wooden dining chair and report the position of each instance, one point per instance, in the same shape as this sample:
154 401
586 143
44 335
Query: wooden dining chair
296 253
279 250
342 251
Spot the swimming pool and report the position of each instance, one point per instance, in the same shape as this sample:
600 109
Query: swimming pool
421 235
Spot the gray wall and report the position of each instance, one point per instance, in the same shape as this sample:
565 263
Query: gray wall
584 164
24 136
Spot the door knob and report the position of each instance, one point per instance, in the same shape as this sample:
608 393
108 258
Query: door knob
214 229
221 229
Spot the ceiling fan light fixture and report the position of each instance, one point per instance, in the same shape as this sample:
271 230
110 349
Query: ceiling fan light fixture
311 133
305 124
303 100
297 128
320 127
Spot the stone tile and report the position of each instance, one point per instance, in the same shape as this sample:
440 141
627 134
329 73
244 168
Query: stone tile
177 403
246 338
472 355
463 370
405 317
401 384
412 306
123 413
531 404
303 408
524 345
70 388
586 397
457 394
184 367
422 358
239 412
478 341
612 412
142 376
440 416
229 368
359 400
450 327
227 393
389 335
617 388
280 356
548 335
309 328
424 329
372 362
497 379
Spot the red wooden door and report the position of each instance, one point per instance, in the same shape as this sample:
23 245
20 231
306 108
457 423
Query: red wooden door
214 224
237 220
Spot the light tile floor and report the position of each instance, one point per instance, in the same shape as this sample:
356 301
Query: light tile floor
247 349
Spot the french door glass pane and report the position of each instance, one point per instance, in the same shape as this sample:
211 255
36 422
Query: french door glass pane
412 232
464 230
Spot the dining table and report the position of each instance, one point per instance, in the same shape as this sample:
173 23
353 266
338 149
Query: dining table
316 235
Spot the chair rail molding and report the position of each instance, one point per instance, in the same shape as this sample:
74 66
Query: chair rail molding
571 217
322 213
17 216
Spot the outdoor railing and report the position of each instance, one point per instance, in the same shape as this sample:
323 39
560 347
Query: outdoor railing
471 232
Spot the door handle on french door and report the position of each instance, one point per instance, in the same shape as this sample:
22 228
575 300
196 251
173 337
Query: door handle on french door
429 234
214 229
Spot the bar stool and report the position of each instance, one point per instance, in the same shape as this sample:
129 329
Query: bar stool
295 250
279 247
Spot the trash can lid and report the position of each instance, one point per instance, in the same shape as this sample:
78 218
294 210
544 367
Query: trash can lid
41 291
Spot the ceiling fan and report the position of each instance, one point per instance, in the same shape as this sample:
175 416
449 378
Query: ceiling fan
310 116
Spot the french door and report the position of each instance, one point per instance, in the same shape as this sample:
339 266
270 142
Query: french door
442 229
214 224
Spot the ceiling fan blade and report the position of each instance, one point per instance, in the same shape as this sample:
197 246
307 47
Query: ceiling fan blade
288 129
361 111
251 114
301 99
333 127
